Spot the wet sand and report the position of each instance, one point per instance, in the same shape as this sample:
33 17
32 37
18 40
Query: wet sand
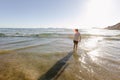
30 66
55 66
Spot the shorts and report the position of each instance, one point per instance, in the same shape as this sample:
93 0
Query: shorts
75 42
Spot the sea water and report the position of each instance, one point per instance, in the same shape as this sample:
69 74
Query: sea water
99 49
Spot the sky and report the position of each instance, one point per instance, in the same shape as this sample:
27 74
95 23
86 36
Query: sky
59 13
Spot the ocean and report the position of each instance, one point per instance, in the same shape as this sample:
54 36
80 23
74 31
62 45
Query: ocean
23 49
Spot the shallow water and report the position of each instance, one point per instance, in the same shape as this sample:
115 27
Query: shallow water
21 53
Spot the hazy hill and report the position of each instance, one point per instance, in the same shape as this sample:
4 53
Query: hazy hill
114 27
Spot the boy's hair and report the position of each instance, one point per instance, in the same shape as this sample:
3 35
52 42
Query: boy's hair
76 30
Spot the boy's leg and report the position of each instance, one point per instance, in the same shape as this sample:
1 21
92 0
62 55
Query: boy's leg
74 49
76 46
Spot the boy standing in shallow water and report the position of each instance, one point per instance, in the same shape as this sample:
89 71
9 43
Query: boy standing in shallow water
77 39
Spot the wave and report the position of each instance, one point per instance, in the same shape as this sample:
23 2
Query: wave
2 35
52 35
42 35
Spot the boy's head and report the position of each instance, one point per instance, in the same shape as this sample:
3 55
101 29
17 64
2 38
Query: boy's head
76 30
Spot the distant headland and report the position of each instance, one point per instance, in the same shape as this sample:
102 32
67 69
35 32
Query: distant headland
114 27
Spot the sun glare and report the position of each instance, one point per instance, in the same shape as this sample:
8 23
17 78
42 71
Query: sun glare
91 43
97 12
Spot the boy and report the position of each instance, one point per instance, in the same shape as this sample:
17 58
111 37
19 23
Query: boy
77 38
